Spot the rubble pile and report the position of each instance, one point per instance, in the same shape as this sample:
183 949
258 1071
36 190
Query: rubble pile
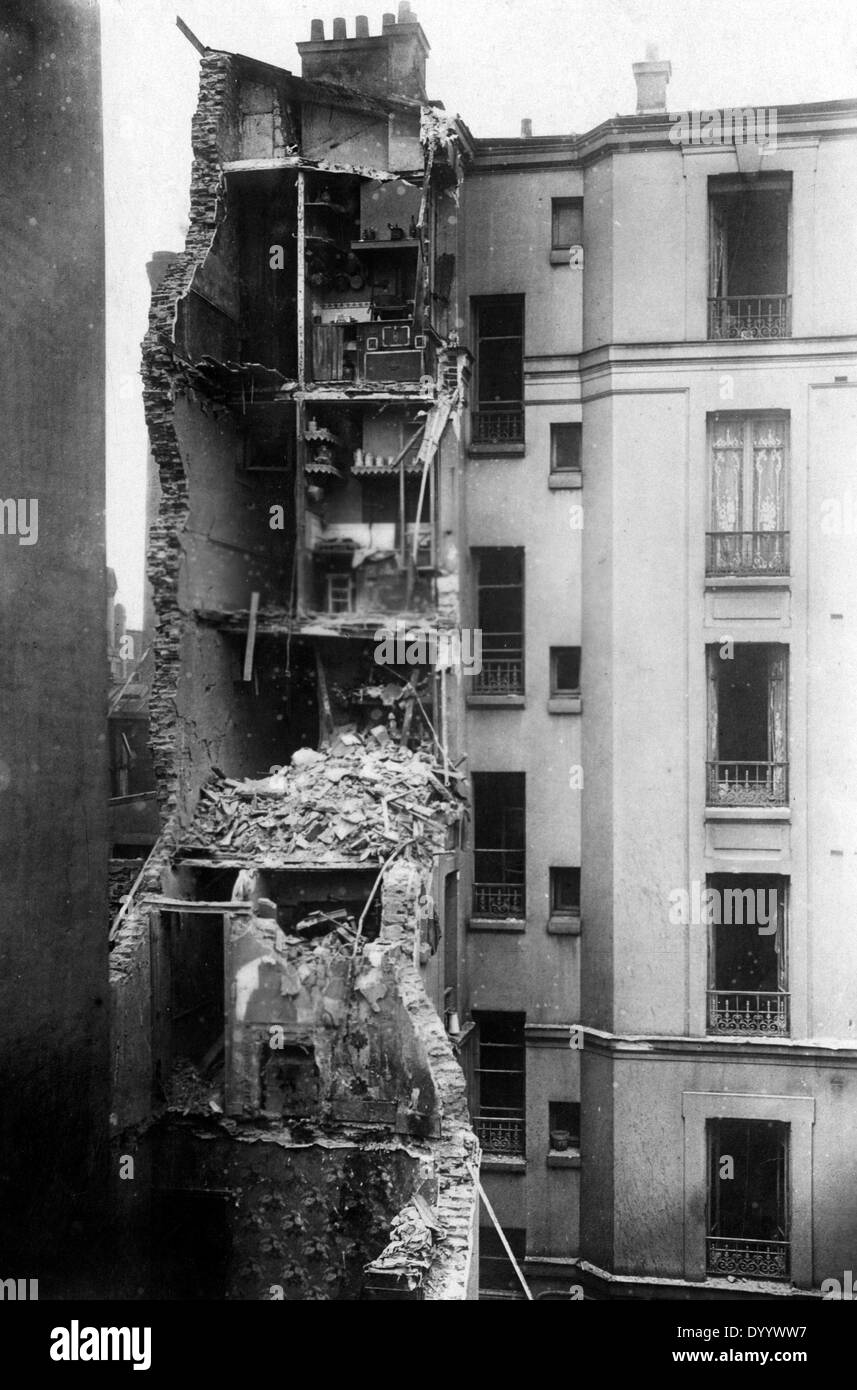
356 802
410 1249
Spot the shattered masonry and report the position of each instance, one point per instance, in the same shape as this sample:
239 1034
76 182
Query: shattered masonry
316 1119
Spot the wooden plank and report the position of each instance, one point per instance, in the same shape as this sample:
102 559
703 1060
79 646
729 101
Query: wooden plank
251 636
203 908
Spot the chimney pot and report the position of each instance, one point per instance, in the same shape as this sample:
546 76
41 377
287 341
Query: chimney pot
388 21
316 31
526 128
339 29
651 78
361 27
406 16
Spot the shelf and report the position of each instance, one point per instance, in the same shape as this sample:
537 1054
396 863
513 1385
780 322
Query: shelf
330 207
408 244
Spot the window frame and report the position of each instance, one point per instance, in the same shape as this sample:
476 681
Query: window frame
556 907
555 1123
568 470
720 187
516 440
713 1216
764 559
558 692
488 1127
558 206
480 912
480 684
721 882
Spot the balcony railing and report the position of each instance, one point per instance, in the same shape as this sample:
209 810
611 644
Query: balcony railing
750 316
748 784
748 1259
498 890
502 670
761 1013
747 552
501 1132
501 424
498 900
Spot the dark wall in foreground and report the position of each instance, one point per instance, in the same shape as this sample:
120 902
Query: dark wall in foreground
53 754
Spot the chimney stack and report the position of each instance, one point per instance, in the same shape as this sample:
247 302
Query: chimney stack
393 63
651 78
526 128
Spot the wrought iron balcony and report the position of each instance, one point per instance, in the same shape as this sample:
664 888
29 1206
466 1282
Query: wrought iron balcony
498 900
502 670
761 1013
747 552
501 424
747 784
750 316
748 1259
501 1132
499 877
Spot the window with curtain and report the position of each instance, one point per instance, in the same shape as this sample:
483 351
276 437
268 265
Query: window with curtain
748 473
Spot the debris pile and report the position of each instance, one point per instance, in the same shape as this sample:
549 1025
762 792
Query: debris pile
410 1249
357 802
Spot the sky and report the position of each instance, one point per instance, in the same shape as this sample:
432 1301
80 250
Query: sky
565 64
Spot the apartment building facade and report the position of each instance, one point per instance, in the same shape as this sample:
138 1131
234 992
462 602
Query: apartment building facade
695 575
590 397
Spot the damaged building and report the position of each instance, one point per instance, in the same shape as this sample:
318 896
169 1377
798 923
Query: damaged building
285 1090
395 888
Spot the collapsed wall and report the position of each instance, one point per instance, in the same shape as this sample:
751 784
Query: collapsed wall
212 134
332 1058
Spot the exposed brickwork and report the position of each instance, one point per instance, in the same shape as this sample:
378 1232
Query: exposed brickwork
163 380
456 1153
123 873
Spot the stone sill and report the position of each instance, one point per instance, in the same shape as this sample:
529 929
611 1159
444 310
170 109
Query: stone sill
497 924
564 926
563 1158
565 704
748 813
748 581
496 701
501 1163
572 478
496 450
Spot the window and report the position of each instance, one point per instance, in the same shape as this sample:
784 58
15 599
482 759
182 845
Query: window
499 332
748 1204
748 473
566 223
500 619
565 448
747 968
565 892
564 1124
340 593
747 725
499 844
499 1077
749 258
496 1271
190 994
565 671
